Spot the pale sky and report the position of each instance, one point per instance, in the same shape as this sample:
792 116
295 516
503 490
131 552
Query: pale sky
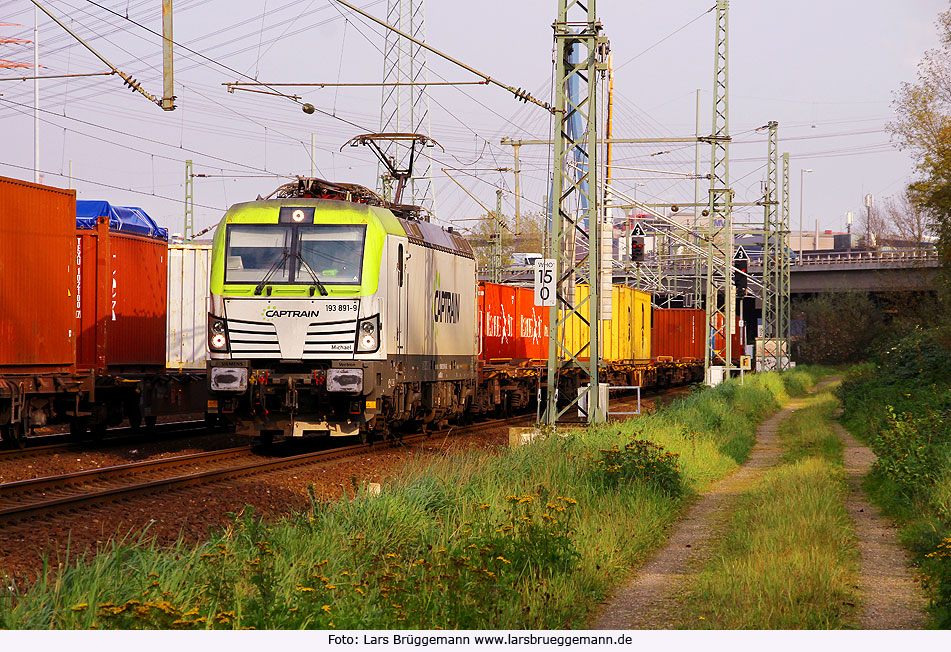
827 71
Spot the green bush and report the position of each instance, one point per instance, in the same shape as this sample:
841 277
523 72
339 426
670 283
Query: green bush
912 449
936 568
922 358
639 461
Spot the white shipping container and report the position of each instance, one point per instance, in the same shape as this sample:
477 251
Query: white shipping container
186 341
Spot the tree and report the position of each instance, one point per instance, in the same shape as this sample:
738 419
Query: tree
923 127
906 219
839 328
527 236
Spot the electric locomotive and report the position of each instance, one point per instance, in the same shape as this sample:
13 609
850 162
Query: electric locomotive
334 312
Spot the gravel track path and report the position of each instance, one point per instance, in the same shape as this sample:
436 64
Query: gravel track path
651 599
890 598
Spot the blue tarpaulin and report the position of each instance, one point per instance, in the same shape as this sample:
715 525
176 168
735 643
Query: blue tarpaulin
124 219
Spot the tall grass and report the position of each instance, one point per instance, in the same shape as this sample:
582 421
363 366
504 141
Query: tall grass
788 559
530 538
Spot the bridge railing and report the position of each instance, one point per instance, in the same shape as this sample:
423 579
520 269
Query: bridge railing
908 256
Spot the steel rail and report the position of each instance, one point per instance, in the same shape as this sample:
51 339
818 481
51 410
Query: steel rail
12 509
15 492
162 431
20 510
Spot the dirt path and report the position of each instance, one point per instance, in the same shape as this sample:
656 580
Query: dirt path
890 597
650 600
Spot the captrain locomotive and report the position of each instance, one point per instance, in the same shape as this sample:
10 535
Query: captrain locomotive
335 313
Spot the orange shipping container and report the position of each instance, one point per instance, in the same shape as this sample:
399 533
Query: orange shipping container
678 333
36 277
122 299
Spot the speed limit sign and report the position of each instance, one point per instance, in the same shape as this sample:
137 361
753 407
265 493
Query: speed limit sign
545 282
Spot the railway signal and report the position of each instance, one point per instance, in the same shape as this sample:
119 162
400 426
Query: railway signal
741 265
637 249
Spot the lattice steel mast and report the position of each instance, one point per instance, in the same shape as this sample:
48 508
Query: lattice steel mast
773 243
405 107
575 226
720 276
783 289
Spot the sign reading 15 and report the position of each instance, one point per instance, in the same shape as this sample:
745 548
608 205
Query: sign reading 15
545 291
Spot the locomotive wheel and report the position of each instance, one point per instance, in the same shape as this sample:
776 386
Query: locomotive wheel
150 422
211 421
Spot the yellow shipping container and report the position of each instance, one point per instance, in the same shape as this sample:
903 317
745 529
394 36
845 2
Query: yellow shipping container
625 337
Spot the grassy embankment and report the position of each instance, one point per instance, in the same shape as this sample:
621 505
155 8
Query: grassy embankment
901 407
532 537
787 559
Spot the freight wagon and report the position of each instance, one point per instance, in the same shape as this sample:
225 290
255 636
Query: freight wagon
37 295
83 330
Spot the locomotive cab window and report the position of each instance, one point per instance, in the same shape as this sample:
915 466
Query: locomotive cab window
253 250
334 252
331 252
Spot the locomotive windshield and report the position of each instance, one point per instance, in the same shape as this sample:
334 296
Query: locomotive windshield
253 250
333 252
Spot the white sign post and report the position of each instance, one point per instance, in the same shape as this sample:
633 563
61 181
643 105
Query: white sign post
545 282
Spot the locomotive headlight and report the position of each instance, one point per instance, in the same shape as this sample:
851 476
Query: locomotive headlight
368 334
217 334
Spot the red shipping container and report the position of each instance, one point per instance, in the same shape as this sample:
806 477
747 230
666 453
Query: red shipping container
678 333
531 327
122 299
496 322
36 277
511 326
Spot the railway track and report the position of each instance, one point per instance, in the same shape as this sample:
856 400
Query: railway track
47 444
25 499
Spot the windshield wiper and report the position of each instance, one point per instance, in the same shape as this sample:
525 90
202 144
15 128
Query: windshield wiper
320 286
277 264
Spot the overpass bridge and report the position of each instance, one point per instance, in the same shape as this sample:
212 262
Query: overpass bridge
909 270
